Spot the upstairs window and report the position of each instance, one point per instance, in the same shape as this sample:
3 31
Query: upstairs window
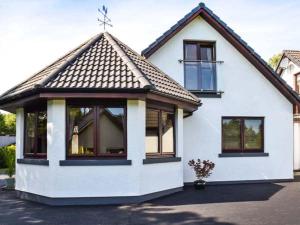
35 143
199 66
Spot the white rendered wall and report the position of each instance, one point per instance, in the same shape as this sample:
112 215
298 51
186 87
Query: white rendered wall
246 93
164 176
289 73
296 146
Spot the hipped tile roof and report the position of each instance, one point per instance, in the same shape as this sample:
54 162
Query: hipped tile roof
293 55
103 63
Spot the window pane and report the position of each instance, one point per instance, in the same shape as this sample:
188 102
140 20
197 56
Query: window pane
207 76
190 52
231 134
191 76
30 133
42 132
152 131
167 132
81 130
111 132
253 134
206 53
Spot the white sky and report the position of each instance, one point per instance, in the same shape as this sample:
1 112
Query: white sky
34 33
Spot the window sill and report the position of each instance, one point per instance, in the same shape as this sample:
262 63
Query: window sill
208 94
161 160
40 162
255 154
102 162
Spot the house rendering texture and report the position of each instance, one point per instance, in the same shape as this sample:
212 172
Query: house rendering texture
105 125
288 69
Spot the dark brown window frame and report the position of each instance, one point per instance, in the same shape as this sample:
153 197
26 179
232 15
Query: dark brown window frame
96 105
168 109
34 110
199 43
242 149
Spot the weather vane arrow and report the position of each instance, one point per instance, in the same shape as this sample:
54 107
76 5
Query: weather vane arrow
105 21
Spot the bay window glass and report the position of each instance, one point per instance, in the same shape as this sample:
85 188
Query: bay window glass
96 131
80 131
111 131
160 133
242 134
35 143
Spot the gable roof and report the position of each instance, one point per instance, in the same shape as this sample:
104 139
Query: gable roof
231 37
293 55
101 64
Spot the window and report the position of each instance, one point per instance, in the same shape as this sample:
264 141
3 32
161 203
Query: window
199 66
35 143
96 131
160 132
242 134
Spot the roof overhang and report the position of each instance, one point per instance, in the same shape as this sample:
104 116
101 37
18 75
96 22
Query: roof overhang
11 104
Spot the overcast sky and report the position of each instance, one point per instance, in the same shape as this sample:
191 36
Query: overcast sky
33 33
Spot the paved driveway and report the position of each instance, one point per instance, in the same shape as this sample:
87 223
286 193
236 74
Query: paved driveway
222 205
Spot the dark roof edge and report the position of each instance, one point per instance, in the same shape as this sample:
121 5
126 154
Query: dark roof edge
203 11
146 84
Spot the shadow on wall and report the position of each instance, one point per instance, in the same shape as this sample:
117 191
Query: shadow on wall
14 211
221 194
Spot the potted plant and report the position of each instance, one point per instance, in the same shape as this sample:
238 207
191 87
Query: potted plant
202 169
10 162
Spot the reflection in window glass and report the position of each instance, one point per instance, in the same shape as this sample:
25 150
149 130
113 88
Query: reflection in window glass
253 134
167 132
152 131
41 132
231 134
81 130
30 133
111 132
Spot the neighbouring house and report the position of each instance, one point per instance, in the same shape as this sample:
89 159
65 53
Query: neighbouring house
288 69
7 140
104 125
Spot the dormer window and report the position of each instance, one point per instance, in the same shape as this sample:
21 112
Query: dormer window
199 66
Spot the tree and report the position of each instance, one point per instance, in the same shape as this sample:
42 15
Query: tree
7 124
274 60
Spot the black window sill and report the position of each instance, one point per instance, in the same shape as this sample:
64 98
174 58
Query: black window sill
208 94
88 162
255 154
40 162
161 160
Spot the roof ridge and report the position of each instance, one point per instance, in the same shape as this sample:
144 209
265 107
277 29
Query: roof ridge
156 68
134 69
83 47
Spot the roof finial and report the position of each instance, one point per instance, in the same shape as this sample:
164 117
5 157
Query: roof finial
201 4
105 21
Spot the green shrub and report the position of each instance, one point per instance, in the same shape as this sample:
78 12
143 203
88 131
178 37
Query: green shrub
7 156
10 159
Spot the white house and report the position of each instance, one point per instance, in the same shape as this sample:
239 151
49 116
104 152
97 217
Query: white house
103 125
289 69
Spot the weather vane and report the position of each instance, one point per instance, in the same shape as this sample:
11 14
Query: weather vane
105 21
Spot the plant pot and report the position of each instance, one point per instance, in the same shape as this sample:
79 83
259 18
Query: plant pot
199 184
10 183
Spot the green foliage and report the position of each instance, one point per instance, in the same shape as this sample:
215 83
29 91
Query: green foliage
274 60
7 124
7 158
